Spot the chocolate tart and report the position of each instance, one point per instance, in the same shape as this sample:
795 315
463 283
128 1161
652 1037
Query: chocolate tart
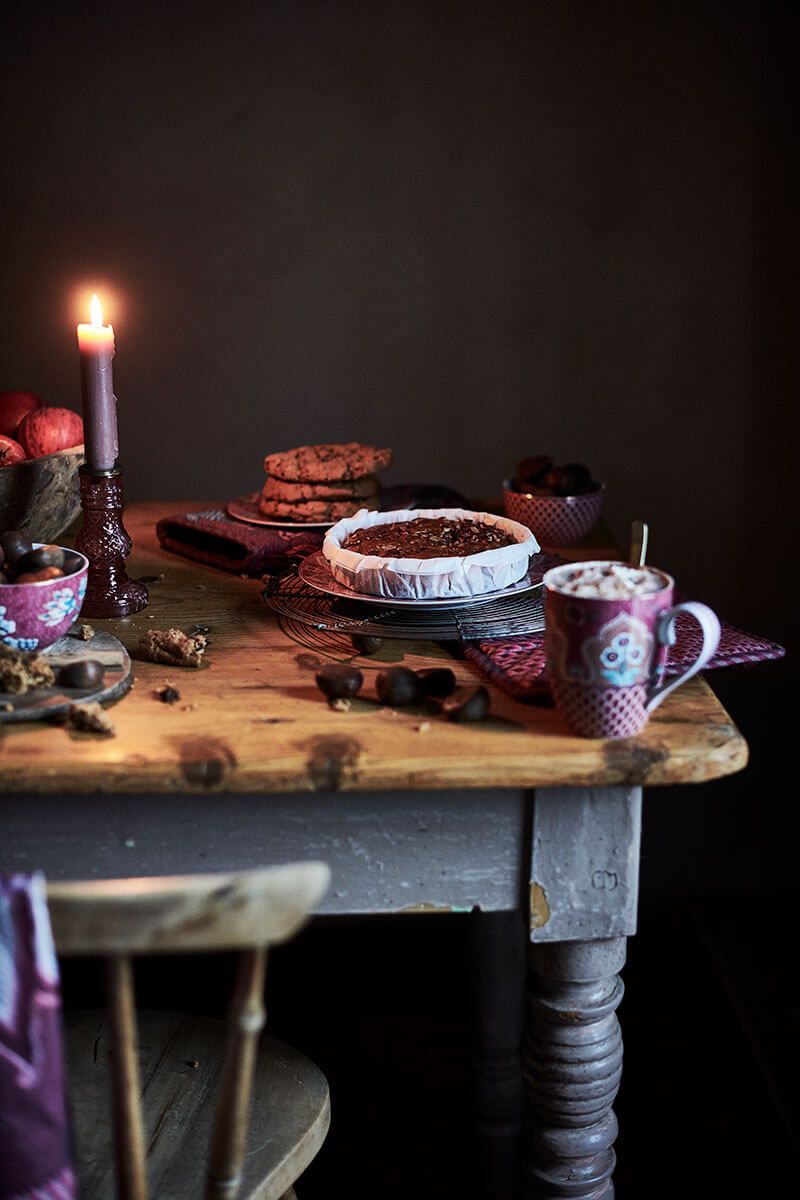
428 554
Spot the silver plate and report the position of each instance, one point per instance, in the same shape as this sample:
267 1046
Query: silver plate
306 612
245 508
314 571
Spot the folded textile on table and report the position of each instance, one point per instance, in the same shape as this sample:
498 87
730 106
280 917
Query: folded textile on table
35 1157
214 538
518 666
217 539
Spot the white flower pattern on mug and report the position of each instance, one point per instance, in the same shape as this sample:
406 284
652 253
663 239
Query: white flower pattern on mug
61 605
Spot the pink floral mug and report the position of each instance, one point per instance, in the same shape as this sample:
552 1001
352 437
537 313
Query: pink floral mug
608 629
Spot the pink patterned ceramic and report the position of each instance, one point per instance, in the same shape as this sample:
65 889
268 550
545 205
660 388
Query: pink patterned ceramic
34 615
554 520
607 658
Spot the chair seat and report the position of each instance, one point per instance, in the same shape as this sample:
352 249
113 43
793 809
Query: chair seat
180 1056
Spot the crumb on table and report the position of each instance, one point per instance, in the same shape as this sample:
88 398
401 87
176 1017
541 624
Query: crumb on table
172 646
91 717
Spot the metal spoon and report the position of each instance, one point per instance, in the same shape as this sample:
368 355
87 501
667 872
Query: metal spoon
638 551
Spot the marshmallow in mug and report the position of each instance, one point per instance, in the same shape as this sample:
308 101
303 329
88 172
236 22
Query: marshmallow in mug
608 581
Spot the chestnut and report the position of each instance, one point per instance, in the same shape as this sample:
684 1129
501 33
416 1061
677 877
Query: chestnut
339 682
467 704
39 576
15 544
72 562
529 470
84 673
42 556
437 681
398 686
366 643
581 475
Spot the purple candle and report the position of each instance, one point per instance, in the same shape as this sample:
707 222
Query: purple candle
96 343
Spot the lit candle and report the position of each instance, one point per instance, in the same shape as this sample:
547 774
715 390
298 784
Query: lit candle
96 343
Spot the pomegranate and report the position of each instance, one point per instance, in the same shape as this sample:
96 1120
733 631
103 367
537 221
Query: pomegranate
10 451
13 407
46 430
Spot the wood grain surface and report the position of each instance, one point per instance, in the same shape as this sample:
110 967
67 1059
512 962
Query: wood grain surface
251 718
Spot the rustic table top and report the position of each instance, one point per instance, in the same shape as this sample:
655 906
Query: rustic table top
251 718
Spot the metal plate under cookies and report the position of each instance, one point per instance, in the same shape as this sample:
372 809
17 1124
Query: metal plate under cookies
245 508
508 616
42 703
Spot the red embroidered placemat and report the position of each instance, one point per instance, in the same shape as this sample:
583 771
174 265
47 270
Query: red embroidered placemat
517 665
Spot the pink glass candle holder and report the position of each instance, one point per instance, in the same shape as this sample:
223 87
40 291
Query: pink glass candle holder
105 542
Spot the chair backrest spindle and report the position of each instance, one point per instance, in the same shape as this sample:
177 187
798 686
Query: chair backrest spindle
245 1022
128 1131
247 911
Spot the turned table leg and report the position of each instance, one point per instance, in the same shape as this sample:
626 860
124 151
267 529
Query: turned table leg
573 1064
584 889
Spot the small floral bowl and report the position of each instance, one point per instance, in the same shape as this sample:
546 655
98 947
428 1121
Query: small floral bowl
34 615
554 520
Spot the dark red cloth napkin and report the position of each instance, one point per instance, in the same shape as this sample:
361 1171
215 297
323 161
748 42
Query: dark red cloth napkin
517 665
214 538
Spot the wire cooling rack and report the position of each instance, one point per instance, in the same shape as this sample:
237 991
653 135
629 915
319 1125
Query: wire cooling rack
507 616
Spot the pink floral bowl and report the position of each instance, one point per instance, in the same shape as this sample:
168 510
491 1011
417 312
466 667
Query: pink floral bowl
554 520
34 615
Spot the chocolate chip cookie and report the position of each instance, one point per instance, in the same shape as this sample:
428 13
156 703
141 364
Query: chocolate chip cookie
330 461
341 489
314 510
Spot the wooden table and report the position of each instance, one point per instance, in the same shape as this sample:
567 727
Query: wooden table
512 817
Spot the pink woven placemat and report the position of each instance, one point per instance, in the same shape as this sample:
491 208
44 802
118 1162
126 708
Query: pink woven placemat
517 665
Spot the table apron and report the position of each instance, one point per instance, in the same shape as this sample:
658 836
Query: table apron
389 852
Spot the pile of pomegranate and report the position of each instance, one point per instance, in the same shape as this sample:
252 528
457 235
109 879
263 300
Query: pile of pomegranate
29 429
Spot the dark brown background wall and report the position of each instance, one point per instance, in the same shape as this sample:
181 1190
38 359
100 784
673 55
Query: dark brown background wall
467 230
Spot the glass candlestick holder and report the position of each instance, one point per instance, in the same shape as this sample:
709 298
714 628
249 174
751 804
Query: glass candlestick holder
105 542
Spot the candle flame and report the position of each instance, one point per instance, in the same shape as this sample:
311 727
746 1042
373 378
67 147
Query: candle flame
96 311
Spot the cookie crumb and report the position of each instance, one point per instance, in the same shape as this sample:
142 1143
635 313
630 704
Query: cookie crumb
188 707
85 633
168 694
172 646
340 704
423 727
23 671
91 718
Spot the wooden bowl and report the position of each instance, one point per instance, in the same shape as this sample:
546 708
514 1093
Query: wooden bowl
39 496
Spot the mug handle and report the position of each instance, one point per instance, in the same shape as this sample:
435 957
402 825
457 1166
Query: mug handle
665 636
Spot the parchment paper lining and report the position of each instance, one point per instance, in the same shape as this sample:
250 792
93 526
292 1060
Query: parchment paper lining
428 578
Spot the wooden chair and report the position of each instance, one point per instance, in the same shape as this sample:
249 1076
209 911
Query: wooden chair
272 1105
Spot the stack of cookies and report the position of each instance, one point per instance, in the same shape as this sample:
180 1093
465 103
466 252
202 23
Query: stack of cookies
322 483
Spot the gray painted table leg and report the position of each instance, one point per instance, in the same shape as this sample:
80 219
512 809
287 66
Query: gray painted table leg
584 888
